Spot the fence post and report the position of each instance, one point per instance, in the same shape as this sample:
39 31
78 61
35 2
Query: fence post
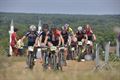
97 64
107 52
106 64
97 55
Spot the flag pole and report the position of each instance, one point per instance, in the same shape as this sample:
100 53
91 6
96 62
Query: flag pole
10 33
39 29
39 26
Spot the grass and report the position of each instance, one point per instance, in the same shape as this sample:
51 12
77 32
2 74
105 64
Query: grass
13 68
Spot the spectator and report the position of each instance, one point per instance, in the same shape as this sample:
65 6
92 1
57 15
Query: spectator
20 45
13 42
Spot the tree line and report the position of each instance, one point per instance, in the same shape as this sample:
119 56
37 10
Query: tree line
103 25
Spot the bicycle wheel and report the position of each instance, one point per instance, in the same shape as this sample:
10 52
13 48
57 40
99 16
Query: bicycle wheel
61 61
30 60
45 60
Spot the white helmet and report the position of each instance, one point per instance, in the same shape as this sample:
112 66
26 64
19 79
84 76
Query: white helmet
66 26
32 28
79 28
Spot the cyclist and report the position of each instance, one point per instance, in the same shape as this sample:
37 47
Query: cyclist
65 36
71 36
91 37
55 38
31 35
68 29
42 38
81 35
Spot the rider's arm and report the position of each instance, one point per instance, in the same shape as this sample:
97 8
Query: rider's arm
94 37
26 35
40 39
69 40
62 40
23 38
75 34
46 39
36 41
86 38
59 41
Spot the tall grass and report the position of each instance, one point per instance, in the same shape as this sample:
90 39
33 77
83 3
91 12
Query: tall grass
13 68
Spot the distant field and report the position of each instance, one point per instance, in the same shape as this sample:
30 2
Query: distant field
13 68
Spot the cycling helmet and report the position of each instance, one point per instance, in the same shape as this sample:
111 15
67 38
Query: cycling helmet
66 26
45 26
32 28
79 28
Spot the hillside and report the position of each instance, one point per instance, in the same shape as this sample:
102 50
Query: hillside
103 25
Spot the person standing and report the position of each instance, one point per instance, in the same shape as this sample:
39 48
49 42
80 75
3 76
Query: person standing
14 41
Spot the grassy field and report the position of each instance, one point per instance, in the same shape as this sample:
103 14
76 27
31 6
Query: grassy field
13 68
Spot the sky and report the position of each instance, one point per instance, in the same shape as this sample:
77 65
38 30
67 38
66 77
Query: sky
97 7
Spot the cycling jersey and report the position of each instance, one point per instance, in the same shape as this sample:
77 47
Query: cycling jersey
31 38
54 38
65 36
90 35
70 31
43 34
80 35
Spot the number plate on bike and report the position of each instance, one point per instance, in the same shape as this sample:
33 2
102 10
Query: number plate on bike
44 49
53 48
89 42
72 48
30 48
80 43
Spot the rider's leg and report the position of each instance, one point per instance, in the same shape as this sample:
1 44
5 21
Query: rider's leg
65 55
15 51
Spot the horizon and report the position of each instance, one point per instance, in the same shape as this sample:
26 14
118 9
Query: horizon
61 14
